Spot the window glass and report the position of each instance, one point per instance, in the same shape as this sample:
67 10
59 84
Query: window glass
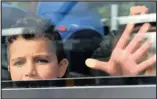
88 30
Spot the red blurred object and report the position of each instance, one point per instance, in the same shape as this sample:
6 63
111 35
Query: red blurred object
62 28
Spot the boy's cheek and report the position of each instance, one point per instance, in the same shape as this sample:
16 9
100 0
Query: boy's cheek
48 73
15 75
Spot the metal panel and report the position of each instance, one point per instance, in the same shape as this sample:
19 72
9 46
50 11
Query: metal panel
136 91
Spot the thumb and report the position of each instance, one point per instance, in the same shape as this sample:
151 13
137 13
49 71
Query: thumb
96 64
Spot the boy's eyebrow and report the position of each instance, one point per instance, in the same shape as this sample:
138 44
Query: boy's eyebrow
43 54
35 55
17 58
47 56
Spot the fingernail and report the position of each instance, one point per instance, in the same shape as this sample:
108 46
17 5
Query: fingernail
91 62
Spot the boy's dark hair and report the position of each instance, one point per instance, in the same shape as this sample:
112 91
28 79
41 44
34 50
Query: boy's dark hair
35 25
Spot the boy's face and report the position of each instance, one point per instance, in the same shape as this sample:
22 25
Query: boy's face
34 59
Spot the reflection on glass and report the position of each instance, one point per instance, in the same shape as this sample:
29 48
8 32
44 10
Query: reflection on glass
83 81
43 50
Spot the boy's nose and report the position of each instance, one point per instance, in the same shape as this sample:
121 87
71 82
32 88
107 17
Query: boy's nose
30 70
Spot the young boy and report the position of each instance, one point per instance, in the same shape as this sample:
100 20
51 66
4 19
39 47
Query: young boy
37 53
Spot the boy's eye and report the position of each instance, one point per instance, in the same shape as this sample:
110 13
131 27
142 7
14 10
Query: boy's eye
42 61
18 63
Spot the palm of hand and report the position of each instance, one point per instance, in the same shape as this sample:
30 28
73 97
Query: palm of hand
126 58
121 63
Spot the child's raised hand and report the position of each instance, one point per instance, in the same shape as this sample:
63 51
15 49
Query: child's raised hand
126 57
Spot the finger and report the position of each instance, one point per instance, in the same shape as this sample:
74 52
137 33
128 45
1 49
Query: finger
144 10
135 10
146 64
124 39
96 64
142 51
139 36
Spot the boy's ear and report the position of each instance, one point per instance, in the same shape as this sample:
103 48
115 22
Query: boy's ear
63 67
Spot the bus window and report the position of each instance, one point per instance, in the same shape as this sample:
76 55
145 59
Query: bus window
60 40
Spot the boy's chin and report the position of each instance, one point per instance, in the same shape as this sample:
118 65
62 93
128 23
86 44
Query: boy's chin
31 79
